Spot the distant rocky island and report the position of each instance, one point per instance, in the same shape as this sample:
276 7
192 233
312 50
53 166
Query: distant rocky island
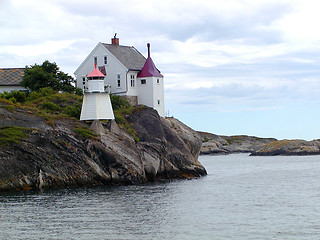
256 146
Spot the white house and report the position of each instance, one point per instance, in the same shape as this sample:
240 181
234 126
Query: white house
10 79
127 72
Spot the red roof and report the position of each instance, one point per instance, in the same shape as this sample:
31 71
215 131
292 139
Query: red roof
149 69
95 72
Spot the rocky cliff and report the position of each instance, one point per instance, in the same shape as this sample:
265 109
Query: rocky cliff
41 153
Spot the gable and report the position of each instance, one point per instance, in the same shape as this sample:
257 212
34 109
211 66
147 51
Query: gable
11 76
130 57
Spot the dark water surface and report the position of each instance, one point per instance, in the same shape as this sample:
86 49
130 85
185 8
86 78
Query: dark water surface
241 198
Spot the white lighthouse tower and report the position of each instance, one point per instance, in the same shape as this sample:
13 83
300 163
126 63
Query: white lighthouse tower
96 103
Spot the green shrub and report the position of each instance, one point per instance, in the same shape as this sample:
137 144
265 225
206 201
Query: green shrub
78 92
42 92
50 106
12 99
73 110
118 102
20 96
120 119
46 91
14 96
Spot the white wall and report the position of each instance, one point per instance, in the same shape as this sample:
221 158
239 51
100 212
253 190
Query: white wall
158 94
132 91
149 93
145 92
113 67
11 88
96 106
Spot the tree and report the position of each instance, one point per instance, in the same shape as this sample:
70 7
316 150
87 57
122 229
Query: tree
47 75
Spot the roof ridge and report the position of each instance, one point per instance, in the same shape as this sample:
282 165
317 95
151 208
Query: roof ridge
12 68
117 45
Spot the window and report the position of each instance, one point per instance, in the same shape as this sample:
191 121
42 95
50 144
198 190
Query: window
132 80
105 60
158 101
118 80
143 81
83 81
95 60
158 81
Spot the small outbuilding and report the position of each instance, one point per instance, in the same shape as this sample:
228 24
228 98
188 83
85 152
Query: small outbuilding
10 79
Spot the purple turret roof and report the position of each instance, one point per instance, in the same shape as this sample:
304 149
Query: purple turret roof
149 69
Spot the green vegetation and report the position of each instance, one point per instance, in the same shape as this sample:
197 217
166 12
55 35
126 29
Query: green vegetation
50 104
47 75
119 103
11 134
45 102
84 132
15 96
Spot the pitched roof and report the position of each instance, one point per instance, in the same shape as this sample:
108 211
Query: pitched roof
11 76
130 57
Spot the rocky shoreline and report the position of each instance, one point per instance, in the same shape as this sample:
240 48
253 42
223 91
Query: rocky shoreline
66 153
216 144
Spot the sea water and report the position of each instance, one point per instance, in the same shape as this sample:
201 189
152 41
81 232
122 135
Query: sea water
242 197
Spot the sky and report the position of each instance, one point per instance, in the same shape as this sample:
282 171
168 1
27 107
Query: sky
231 67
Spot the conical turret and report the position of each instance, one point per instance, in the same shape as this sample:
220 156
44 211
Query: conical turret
149 69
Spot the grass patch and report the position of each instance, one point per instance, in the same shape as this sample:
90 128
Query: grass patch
9 107
11 134
279 144
85 132
121 116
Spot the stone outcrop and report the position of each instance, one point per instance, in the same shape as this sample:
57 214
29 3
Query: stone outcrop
289 147
52 154
215 144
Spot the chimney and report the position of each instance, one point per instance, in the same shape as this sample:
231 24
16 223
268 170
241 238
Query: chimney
148 46
115 40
